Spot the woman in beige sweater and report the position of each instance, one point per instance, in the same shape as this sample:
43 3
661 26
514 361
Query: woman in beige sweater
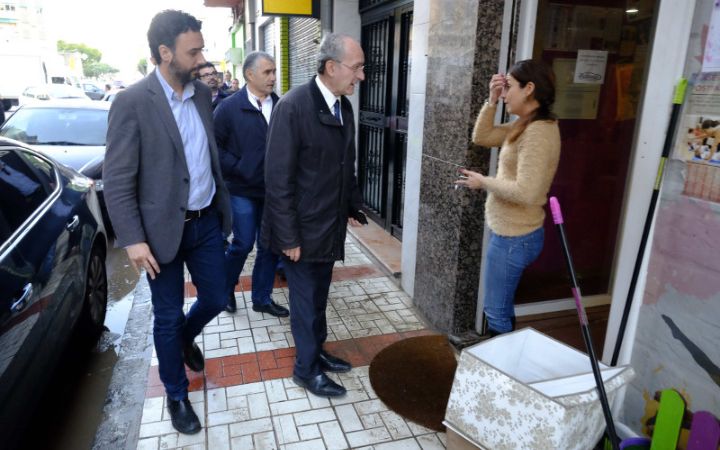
516 195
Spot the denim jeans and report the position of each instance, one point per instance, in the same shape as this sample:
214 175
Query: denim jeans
247 216
506 259
201 249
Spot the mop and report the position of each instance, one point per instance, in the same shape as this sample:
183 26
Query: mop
558 219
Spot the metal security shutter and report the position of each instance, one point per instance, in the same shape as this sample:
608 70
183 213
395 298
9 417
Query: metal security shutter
268 32
304 40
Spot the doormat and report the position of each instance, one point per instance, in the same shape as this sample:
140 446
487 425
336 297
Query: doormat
413 377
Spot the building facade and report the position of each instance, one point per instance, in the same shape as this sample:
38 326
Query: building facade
428 63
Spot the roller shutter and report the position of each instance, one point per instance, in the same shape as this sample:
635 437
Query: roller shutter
304 37
268 32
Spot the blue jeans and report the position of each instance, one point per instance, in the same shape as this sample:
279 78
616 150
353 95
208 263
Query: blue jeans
201 249
247 216
506 259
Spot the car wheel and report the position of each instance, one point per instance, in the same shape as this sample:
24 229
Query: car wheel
92 319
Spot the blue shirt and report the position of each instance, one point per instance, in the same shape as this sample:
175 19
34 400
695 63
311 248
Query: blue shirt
195 144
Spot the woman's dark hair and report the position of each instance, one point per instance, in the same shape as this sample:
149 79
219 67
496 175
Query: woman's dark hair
166 26
543 77
709 124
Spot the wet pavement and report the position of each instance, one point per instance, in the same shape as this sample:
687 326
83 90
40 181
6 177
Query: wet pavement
111 398
246 398
72 408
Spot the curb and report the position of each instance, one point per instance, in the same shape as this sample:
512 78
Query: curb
120 425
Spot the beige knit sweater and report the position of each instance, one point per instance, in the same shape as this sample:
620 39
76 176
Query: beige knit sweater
526 169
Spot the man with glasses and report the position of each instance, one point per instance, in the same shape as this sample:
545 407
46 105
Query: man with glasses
311 194
209 76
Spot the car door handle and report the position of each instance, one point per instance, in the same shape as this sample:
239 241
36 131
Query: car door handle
73 224
22 301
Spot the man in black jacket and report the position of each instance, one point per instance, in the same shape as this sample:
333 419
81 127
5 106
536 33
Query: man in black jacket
241 124
310 195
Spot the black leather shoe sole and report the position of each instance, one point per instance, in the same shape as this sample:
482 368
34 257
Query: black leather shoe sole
193 358
321 385
183 417
273 309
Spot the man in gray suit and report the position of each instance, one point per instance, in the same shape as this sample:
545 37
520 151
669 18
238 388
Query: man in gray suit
167 201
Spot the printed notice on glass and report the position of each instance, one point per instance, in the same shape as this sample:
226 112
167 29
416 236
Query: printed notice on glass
590 67
711 55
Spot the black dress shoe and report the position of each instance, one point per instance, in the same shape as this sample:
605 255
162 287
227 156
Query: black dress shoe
183 417
273 309
231 306
193 357
332 363
320 385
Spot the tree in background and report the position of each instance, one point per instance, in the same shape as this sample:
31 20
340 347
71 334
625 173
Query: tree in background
142 66
92 67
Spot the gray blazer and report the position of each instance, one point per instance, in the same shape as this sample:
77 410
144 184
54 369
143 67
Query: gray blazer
145 175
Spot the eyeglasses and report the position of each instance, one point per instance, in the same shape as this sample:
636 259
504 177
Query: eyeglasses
356 68
211 74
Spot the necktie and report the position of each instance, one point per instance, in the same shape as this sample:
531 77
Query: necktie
336 107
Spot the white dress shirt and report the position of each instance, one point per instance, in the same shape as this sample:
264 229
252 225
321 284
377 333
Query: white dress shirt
266 104
195 144
329 97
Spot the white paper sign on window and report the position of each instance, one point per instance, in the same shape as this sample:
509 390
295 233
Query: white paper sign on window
590 67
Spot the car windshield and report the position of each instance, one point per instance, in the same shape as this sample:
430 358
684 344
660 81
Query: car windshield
57 126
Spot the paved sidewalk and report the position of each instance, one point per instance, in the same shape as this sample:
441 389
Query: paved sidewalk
246 398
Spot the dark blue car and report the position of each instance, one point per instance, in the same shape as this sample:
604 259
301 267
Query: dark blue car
52 275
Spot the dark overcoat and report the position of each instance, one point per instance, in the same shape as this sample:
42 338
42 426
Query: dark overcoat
310 183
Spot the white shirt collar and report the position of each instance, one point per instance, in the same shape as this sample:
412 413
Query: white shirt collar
254 99
188 89
329 97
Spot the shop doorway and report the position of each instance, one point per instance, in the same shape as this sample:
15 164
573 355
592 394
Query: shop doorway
386 37
599 50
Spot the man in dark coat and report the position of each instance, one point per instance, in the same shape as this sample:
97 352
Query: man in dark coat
241 124
167 200
311 194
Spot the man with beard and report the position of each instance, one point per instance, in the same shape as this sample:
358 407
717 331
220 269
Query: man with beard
208 75
167 201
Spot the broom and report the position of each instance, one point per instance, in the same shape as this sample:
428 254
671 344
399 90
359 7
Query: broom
558 219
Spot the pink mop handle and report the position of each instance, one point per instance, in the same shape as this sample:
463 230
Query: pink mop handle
556 213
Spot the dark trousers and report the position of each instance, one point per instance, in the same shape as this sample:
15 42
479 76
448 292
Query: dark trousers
309 283
202 251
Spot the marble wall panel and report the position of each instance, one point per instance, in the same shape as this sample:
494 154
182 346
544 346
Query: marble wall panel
463 53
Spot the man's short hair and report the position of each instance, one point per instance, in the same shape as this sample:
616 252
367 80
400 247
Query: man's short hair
332 48
206 65
252 59
166 26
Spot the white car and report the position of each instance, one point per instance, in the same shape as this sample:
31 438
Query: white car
51 91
